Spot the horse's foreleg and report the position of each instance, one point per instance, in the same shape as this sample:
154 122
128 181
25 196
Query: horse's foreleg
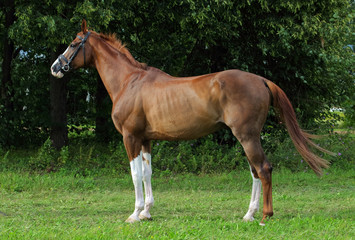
255 197
133 148
147 173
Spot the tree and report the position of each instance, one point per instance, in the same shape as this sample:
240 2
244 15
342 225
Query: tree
36 31
58 111
299 45
7 92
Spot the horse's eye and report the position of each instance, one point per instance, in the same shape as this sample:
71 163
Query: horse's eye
72 45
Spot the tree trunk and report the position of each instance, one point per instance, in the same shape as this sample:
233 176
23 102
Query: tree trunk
102 129
58 101
7 92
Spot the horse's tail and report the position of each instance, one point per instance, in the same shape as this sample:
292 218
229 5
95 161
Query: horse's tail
300 138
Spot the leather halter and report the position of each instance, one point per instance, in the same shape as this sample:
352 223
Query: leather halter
66 67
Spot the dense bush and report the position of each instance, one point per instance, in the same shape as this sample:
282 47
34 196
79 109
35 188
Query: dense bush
300 45
196 156
285 155
90 158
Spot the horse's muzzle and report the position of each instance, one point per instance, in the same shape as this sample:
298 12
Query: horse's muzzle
56 70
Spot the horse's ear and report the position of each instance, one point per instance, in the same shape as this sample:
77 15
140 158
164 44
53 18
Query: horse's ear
83 26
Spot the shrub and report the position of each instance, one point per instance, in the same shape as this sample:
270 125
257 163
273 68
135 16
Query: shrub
48 158
286 156
197 156
85 157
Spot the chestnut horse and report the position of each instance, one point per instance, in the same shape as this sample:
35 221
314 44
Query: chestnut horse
149 104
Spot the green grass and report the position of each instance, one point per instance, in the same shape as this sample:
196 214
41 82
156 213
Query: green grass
63 206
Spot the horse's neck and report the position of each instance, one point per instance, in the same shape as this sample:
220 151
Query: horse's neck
112 66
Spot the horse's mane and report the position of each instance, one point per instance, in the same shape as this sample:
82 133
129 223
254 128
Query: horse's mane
119 46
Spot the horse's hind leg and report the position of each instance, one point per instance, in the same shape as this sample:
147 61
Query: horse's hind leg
255 196
258 161
249 136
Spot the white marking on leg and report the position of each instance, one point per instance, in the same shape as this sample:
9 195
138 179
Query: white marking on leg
147 173
136 171
255 198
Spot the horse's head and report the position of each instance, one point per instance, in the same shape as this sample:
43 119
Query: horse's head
75 56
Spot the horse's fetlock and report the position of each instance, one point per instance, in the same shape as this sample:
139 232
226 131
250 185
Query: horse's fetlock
268 213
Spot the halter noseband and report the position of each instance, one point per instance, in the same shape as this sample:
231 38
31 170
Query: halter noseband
66 67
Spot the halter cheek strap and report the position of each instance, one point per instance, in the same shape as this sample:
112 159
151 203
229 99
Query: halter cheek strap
66 67
83 40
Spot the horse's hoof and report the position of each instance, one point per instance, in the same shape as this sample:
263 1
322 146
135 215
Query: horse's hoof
247 218
265 219
145 216
132 220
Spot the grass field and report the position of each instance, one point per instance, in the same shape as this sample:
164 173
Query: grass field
62 206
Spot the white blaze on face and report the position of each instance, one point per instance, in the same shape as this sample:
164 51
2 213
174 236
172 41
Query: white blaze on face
58 74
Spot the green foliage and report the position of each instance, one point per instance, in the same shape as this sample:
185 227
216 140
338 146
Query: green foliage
45 157
349 106
196 156
300 45
341 144
87 160
4 160
83 131
285 155
48 159
28 123
203 156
